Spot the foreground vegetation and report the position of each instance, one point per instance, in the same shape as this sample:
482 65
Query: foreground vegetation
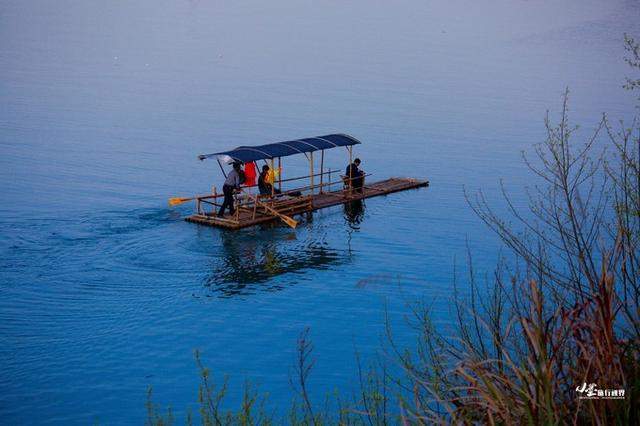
561 314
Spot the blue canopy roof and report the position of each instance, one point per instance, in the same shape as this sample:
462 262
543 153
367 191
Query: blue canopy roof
246 154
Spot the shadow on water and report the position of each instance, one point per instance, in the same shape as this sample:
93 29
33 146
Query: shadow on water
253 262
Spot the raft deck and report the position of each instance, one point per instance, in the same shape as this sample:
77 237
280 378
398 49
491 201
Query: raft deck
252 214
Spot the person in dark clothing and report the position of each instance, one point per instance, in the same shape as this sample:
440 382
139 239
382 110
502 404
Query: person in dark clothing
231 184
264 186
355 174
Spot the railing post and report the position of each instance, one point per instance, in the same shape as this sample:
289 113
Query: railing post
255 206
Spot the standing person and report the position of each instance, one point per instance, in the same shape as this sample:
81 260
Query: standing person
356 175
231 184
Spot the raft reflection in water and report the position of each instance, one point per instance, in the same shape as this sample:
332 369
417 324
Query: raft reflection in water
250 260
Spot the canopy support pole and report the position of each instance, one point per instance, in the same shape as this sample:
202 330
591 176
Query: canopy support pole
311 170
273 184
321 169
221 168
280 174
350 168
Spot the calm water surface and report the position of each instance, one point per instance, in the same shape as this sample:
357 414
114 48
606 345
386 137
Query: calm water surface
105 291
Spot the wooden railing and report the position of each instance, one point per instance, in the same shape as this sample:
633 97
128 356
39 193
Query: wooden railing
245 201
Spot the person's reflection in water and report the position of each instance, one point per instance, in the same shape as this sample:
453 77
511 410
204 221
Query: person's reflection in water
354 213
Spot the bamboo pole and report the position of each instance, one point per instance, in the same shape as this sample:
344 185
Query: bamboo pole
280 173
311 170
306 176
221 168
350 168
215 195
321 169
255 208
304 188
273 184
237 205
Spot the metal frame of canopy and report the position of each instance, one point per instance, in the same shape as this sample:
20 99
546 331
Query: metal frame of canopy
306 146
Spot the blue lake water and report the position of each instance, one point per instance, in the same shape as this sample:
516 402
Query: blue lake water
105 291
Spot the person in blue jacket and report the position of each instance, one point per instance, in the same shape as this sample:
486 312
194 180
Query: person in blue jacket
231 185
356 175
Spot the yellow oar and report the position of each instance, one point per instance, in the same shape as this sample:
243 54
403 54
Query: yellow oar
286 219
177 200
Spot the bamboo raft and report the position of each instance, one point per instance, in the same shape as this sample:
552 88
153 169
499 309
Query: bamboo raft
249 213
280 204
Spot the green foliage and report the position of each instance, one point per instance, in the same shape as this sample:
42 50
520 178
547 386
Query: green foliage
154 418
369 407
